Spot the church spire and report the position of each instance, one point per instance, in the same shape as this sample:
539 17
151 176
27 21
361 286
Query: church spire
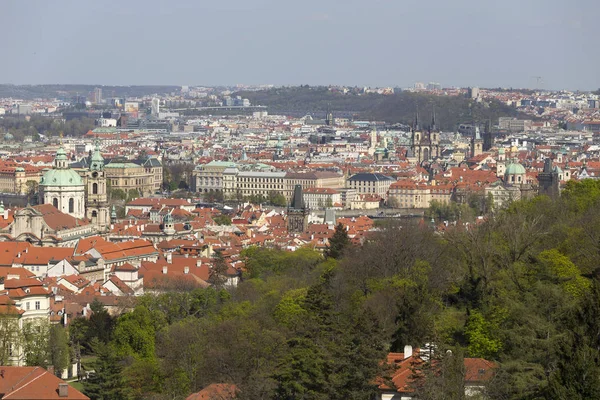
433 127
416 126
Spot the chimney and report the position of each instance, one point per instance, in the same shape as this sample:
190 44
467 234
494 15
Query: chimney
170 258
5 214
164 270
407 351
198 263
186 270
63 390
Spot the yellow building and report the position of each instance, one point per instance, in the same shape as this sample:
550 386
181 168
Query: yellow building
14 179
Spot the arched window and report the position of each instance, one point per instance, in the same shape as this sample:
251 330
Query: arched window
71 205
95 188
55 202
94 214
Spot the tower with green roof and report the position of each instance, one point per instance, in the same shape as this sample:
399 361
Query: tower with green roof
97 200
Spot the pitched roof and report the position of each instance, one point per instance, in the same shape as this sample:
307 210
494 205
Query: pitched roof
26 383
216 391
56 219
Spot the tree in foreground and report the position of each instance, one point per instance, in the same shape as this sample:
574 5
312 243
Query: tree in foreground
106 382
338 242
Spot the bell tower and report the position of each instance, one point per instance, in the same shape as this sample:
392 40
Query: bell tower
97 199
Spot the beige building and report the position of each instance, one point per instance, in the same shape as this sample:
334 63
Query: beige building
127 176
408 194
14 179
209 177
317 198
317 179
227 177
370 183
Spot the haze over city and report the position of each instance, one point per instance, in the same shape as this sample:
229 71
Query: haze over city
376 43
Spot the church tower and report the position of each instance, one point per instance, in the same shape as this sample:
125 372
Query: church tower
329 120
425 145
476 143
488 140
97 200
297 219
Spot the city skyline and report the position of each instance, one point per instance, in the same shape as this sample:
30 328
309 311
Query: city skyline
465 43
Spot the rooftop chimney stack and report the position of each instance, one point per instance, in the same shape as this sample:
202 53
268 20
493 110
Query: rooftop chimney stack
63 390
164 270
186 270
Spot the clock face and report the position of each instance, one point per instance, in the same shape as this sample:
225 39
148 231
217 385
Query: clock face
94 174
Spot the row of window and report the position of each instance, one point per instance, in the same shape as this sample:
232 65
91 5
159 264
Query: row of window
37 305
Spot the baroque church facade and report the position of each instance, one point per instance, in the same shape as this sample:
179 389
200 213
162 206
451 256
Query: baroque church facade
64 188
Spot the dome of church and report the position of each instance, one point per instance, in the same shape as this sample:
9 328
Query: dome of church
515 169
9 136
61 154
61 177
501 150
168 219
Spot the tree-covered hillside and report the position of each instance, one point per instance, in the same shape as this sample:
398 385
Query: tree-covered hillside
521 289
401 107
29 92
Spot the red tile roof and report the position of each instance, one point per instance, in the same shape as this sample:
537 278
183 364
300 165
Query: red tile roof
28 383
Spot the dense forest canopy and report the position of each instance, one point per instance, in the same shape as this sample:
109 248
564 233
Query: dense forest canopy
521 289
399 107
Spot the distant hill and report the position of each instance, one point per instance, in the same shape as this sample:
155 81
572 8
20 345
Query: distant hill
401 107
29 92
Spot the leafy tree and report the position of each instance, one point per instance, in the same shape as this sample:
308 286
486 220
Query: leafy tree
134 334
107 381
10 335
100 323
35 343
218 273
59 351
480 334
222 220
440 377
338 242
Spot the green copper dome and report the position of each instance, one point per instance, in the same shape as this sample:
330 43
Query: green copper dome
515 169
61 154
61 177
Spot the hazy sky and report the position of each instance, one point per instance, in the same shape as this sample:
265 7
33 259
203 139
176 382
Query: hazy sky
372 43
